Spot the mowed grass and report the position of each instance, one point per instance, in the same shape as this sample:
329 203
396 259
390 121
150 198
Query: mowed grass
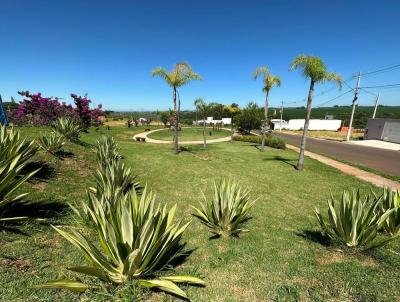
189 134
282 258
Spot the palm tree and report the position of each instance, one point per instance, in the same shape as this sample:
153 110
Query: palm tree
269 81
312 67
203 108
179 76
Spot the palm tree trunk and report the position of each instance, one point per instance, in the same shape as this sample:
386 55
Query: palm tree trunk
300 162
232 131
204 133
265 122
176 150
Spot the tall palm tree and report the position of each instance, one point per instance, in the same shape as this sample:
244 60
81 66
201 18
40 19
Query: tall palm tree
203 108
269 82
313 68
181 74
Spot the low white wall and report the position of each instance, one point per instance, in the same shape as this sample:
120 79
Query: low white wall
298 124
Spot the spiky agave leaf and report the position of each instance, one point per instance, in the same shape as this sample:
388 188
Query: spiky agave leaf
137 237
391 201
227 211
354 220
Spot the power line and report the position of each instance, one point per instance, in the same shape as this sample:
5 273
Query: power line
382 70
335 98
383 86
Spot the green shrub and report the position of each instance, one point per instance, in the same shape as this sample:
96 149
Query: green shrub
52 142
270 141
391 201
14 154
355 220
68 128
227 211
136 239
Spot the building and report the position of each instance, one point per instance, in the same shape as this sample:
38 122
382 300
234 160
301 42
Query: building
210 121
383 129
298 124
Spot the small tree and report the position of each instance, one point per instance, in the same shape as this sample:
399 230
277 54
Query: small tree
313 68
269 81
179 76
203 108
249 118
164 118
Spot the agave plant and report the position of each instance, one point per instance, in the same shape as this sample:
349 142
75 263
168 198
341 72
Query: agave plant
391 201
68 128
107 151
227 211
52 142
10 181
137 238
354 220
12 146
14 154
114 179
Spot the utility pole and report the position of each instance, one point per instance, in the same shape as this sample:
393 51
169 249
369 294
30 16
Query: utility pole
376 105
354 106
280 128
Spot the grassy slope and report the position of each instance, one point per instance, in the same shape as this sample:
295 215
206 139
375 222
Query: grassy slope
189 134
272 261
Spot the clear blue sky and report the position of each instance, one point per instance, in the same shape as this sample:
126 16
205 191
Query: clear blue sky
108 48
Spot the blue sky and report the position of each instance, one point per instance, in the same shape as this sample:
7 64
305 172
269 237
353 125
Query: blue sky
108 48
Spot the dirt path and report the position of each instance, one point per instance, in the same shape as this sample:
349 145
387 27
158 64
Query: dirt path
156 141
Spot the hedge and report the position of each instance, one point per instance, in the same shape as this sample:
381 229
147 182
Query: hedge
270 141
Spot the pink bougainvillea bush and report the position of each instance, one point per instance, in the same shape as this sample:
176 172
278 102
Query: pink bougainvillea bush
37 110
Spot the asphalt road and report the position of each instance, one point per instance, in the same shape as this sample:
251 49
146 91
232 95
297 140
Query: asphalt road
387 161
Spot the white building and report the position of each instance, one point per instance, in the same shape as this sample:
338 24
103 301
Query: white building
210 121
315 124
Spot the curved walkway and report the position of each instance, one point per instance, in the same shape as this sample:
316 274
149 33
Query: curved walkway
156 141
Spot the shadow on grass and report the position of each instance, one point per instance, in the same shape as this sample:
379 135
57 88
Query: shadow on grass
83 144
181 256
43 209
282 159
64 154
315 236
45 173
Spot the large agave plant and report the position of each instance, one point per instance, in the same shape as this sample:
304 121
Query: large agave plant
354 220
136 239
107 151
12 146
52 142
14 154
68 128
391 201
227 211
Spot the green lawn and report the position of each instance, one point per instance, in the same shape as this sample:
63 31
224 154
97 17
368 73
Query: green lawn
189 134
281 259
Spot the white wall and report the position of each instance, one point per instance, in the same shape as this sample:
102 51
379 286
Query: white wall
298 124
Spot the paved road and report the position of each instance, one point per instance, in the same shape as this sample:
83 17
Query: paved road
387 161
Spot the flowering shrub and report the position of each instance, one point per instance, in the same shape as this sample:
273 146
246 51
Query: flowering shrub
37 110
